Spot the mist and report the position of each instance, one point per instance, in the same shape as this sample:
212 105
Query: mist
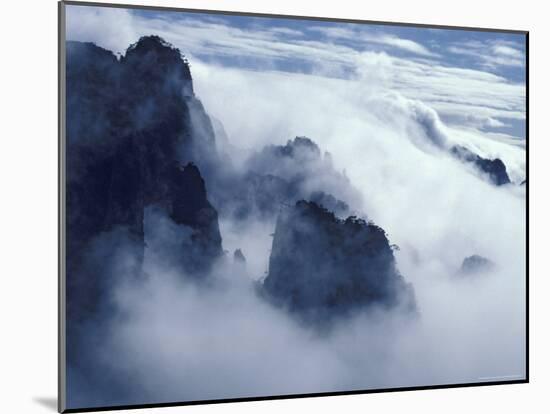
183 341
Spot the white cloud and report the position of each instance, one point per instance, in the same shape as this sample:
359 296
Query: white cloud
365 36
507 51
491 54
293 107
462 96
287 31
111 28
405 44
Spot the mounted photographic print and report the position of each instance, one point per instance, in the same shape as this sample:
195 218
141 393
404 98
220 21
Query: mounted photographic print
257 206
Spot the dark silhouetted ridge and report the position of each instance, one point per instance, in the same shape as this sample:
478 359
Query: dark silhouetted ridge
495 169
132 123
322 267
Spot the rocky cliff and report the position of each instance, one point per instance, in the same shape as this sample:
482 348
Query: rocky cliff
323 268
132 125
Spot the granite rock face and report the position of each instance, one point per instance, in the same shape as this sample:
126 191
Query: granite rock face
322 268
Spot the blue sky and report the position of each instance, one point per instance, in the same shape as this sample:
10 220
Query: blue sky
500 53
472 79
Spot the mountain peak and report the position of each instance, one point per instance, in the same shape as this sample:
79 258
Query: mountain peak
322 267
301 145
159 63
152 42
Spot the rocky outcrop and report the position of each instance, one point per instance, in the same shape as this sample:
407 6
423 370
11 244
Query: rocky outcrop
284 174
494 169
293 161
323 268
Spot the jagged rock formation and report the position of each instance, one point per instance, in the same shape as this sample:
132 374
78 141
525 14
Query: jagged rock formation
495 169
475 264
323 268
294 161
283 174
132 123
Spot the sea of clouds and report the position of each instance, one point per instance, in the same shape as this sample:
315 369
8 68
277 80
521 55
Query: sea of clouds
179 341
183 341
